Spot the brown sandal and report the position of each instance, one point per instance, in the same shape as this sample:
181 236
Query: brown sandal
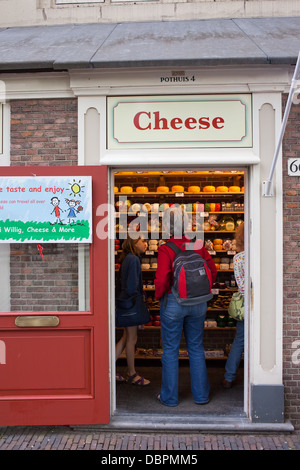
139 380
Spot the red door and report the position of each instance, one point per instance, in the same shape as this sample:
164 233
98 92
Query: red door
56 372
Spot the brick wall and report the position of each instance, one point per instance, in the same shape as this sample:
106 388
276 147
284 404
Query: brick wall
44 132
291 269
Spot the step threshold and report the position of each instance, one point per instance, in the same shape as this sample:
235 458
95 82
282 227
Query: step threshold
186 423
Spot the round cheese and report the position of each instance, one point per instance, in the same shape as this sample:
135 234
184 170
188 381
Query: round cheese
194 189
222 189
126 189
218 247
234 189
177 189
209 189
142 189
162 189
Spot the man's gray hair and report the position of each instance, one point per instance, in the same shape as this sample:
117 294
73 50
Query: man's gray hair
174 222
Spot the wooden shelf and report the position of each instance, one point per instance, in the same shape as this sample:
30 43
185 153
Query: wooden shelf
176 194
134 214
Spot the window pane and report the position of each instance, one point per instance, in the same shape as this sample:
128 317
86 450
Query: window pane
54 279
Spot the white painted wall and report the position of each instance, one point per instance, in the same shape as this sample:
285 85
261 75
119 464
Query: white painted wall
50 12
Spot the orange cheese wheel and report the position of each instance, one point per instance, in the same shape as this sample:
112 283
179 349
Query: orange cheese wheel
218 247
222 189
209 189
234 189
177 189
116 189
162 189
126 189
218 241
142 189
242 189
217 265
194 189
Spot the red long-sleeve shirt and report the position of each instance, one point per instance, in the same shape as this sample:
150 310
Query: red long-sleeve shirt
164 273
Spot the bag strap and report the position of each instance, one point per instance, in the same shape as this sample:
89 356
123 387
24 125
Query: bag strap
174 247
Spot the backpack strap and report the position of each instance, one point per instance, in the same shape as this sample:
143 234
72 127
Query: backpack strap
176 250
174 247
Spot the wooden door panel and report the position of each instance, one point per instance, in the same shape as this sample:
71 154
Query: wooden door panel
60 374
48 363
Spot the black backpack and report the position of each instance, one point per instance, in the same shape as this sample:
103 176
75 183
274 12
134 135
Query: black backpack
192 280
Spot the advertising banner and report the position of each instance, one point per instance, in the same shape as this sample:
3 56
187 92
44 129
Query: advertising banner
46 209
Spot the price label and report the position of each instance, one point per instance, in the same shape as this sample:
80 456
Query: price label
215 291
294 166
231 252
149 252
179 194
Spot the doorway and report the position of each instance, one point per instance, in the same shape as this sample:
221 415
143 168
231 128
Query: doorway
220 195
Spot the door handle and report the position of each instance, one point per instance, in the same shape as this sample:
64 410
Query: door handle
36 321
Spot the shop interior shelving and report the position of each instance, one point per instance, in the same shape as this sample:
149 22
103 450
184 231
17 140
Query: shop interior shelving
134 179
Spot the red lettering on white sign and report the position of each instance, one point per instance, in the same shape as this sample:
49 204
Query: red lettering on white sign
146 121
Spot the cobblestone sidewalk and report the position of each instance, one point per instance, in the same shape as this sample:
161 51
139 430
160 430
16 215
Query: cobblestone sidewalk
64 438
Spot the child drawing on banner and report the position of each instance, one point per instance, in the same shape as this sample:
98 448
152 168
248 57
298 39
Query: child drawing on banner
55 203
72 209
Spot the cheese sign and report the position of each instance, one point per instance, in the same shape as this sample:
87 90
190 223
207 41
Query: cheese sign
180 121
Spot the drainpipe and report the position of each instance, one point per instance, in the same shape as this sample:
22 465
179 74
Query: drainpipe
267 188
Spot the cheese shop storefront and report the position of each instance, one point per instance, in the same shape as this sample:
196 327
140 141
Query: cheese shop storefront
142 145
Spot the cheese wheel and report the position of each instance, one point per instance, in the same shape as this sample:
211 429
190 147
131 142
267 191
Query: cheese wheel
218 241
162 189
209 189
234 189
222 189
146 207
126 189
218 247
135 207
142 189
217 265
116 190
194 189
177 189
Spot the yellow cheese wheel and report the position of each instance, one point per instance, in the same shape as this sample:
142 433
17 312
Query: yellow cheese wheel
194 189
162 189
177 189
218 247
116 189
142 189
234 189
126 189
209 189
222 189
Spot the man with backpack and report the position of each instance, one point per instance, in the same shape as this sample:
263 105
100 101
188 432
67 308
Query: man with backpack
184 277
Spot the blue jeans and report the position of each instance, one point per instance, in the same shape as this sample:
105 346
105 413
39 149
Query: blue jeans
235 354
175 318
